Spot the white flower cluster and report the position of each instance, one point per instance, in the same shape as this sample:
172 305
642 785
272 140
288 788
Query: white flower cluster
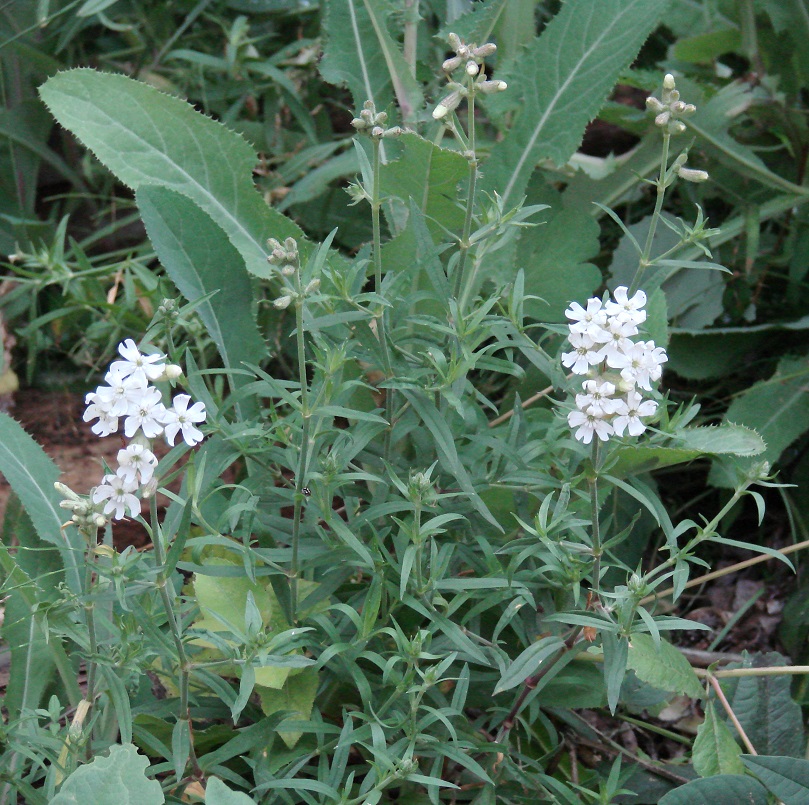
128 395
601 336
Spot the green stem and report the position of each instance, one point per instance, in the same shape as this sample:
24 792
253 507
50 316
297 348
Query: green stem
303 456
411 30
593 484
661 194
419 548
463 290
89 613
176 633
382 317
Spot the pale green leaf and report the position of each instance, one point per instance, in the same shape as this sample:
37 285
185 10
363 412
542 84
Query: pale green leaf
563 79
217 793
786 777
117 778
723 789
297 697
199 258
731 439
662 666
147 137
715 751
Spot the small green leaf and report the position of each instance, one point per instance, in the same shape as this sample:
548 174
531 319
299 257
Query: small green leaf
662 666
616 654
297 696
528 662
118 778
715 751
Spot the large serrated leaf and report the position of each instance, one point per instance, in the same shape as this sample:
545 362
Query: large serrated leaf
200 259
723 789
361 54
147 137
118 778
723 439
715 751
563 80
31 474
765 707
662 666
786 777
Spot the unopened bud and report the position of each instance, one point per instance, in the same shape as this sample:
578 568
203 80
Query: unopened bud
382 118
485 50
149 488
393 132
654 105
677 127
663 118
691 175
282 302
99 521
288 271
451 64
377 131
668 81
472 68
172 371
488 87
454 41
291 245
312 286
688 109
64 489
447 105
678 107
359 124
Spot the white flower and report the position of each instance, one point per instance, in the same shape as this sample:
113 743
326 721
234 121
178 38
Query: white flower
182 418
121 392
629 412
588 424
641 364
583 356
136 464
615 338
97 409
147 413
135 363
589 320
627 309
597 399
117 491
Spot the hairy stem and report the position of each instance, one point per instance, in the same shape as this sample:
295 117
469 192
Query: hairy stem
593 484
89 614
464 289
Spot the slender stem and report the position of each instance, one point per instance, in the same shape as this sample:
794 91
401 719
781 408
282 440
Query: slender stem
303 456
89 613
729 710
524 404
419 547
176 633
765 557
593 484
661 194
411 31
463 290
382 317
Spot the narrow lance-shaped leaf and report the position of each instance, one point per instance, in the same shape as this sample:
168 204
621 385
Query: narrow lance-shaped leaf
563 79
147 137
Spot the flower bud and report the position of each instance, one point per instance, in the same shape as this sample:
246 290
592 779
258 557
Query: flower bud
282 302
382 118
451 64
691 175
668 81
377 131
172 371
472 68
149 488
393 132
488 87
312 286
677 127
359 124
447 105
654 105
688 109
288 271
485 50
663 118
454 41
99 521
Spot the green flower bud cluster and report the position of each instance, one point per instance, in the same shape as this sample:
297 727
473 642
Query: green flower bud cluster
86 515
471 58
372 122
669 108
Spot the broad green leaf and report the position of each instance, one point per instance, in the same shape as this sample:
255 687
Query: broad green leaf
428 175
477 24
296 696
147 137
118 778
723 789
632 459
217 793
199 258
715 751
786 777
554 256
765 707
616 658
562 82
778 408
31 474
662 666
528 663
360 53
731 439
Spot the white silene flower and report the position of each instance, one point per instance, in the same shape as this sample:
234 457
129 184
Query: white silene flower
135 363
136 464
147 414
121 391
182 418
626 309
629 413
598 398
97 409
589 320
588 424
584 355
117 492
